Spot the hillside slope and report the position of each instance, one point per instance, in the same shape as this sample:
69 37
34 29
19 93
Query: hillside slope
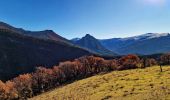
21 54
137 84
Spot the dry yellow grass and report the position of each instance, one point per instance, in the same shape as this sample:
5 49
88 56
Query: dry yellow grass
137 84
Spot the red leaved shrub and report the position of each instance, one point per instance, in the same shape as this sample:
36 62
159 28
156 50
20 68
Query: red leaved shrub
42 79
23 85
147 62
128 62
8 91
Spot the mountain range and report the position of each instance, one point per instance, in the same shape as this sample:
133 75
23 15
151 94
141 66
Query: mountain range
91 44
145 44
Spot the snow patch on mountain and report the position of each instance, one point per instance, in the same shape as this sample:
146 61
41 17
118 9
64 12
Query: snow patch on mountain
145 36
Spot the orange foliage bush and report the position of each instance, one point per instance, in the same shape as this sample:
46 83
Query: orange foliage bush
41 79
129 62
8 91
23 84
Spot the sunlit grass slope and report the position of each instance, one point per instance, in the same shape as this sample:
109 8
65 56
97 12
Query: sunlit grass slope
137 84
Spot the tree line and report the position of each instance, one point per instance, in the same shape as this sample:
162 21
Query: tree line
43 79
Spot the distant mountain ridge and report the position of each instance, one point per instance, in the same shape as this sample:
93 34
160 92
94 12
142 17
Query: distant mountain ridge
46 34
92 44
146 36
75 39
145 44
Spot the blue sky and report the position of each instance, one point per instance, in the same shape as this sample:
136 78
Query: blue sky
100 18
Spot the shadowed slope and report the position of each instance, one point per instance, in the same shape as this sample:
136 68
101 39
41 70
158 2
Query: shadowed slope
20 54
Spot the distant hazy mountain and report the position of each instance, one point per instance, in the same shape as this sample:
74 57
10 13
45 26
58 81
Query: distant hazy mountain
149 43
92 44
21 53
75 39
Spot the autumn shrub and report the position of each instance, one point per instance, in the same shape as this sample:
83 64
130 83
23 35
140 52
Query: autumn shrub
165 59
12 93
23 85
148 62
3 91
42 79
69 70
92 65
8 91
58 76
80 69
128 62
111 65
87 62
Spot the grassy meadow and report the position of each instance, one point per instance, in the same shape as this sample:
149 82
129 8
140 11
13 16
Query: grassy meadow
136 84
